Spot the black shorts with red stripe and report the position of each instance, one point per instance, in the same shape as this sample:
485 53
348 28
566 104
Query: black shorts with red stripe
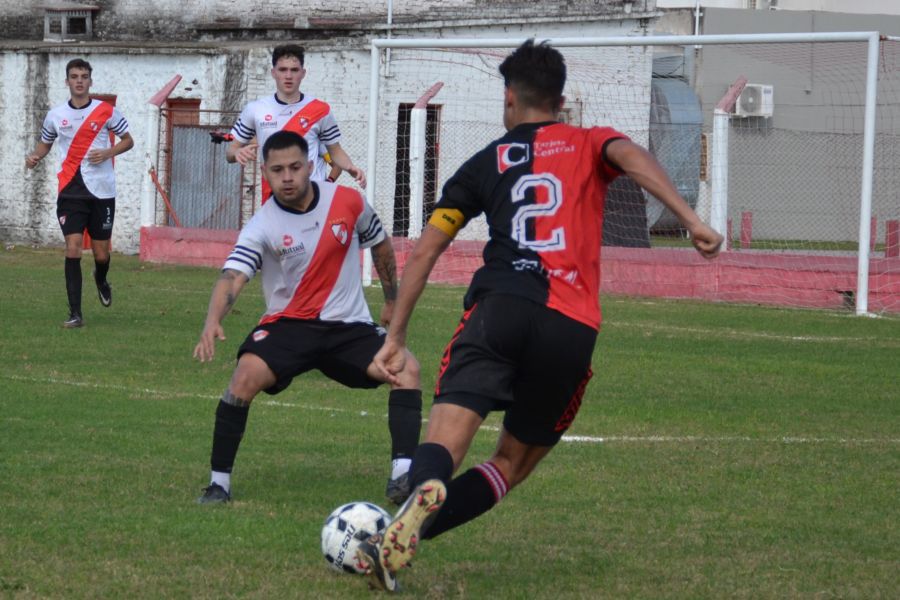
515 355
341 351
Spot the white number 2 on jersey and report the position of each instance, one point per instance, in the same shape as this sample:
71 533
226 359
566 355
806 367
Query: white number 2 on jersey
557 239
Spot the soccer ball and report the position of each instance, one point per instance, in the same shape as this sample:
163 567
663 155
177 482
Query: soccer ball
345 528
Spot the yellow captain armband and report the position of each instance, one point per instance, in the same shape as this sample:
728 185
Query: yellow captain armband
448 220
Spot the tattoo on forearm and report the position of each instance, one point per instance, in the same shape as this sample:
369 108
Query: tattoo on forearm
229 276
386 267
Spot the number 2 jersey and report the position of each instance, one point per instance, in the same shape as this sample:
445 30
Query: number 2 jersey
310 260
542 188
77 131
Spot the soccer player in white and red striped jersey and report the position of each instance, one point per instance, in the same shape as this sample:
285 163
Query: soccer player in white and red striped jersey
290 110
82 129
524 344
306 241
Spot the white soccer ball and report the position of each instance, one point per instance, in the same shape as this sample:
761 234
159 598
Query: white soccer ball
345 528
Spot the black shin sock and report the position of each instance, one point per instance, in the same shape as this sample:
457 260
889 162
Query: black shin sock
468 496
431 461
73 284
404 421
100 270
230 424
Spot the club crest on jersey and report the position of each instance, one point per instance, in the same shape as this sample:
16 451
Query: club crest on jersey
259 335
510 155
341 233
304 122
94 126
62 220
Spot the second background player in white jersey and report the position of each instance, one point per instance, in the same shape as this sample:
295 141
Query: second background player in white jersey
290 110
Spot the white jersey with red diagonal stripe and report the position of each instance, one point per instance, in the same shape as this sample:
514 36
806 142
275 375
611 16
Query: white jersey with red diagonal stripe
309 117
77 131
310 261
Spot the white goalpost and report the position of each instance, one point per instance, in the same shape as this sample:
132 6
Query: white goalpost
801 186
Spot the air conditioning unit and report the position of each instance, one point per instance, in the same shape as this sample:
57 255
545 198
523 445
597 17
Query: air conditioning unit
757 100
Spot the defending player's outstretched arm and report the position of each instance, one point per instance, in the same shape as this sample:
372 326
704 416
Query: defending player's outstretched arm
646 171
225 293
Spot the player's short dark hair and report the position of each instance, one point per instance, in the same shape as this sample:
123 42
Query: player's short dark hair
289 50
281 140
78 63
537 74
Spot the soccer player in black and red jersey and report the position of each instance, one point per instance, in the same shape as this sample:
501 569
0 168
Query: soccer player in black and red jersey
524 343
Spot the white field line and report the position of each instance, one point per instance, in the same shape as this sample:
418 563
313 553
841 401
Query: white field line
576 439
737 334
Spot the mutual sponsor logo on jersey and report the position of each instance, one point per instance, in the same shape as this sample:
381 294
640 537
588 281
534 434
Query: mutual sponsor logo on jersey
287 240
290 250
65 122
259 335
341 232
268 121
510 155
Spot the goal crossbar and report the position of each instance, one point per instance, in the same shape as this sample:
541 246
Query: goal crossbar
871 37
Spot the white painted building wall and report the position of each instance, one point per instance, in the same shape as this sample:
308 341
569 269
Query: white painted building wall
34 80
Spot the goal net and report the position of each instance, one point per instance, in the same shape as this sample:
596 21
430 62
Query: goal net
780 169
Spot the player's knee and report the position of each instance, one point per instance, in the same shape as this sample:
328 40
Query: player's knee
73 251
244 387
410 377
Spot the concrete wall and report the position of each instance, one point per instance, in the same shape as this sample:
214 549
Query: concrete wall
227 75
169 20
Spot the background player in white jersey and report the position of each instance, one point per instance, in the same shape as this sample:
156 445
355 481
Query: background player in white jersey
289 109
87 182
306 242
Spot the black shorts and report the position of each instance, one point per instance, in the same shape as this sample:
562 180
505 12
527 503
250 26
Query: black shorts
341 351
509 353
94 214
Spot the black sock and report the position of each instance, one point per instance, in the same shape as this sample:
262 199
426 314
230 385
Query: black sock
404 421
468 496
100 270
230 424
431 461
73 283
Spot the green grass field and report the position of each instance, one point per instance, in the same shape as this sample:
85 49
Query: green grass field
722 452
